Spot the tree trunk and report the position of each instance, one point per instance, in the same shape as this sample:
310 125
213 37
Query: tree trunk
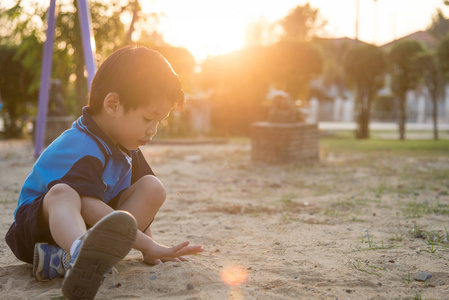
129 34
11 128
363 112
402 116
80 85
435 115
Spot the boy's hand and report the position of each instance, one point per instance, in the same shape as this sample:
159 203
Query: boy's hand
160 253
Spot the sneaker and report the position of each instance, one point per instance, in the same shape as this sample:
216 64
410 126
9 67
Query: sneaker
101 247
49 262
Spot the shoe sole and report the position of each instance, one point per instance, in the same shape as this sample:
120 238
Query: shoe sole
105 244
38 264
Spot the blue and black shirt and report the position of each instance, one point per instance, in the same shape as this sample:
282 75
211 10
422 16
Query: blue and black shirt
84 158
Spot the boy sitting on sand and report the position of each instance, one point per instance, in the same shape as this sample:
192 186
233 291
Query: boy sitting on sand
95 175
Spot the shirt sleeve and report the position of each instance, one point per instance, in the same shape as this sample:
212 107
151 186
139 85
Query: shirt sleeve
140 167
85 177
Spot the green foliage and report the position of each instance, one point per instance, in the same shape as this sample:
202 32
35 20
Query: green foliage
405 75
292 64
15 81
365 67
345 143
440 24
23 25
240 82
301 23
443 56
403 69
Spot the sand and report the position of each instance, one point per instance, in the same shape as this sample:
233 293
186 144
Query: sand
346 227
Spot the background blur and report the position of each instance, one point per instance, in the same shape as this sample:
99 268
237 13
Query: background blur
354 62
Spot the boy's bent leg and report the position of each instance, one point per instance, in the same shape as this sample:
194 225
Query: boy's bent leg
102 246
61 210
143 200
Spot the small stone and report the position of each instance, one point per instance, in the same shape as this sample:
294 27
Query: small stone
190 287
422 276
153 277
115 286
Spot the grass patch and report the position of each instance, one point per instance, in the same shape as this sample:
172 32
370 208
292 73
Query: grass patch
344 142
370 269
234 209
415 209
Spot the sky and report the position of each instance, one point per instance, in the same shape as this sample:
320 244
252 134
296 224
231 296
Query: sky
211 27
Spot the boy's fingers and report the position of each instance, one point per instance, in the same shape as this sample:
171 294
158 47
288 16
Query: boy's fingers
177 248
190 250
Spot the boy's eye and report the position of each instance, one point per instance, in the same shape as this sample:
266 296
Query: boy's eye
147 120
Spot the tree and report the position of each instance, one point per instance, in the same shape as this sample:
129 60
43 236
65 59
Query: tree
25 23
443 56
427 64
15 80
365 67
239 81
301 23
292 64
405 75
440 25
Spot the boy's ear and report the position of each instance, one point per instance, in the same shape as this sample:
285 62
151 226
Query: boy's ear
111 103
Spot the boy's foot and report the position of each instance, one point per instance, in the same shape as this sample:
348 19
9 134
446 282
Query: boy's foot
49 262
101 247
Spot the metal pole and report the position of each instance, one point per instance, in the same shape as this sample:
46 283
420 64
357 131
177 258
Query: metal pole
88 40
357 12
44 88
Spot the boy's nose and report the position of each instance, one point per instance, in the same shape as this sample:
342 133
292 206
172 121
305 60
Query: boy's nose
151 131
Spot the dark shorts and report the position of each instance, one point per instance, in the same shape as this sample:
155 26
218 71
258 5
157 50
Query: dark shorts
29 229
26 231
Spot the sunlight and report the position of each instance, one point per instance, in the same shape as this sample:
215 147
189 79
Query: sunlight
208 28
234 275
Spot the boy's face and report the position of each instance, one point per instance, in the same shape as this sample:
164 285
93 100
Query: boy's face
136 127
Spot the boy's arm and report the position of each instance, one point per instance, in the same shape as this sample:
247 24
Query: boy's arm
94 209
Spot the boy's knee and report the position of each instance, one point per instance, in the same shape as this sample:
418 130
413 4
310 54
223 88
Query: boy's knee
60 192
154 188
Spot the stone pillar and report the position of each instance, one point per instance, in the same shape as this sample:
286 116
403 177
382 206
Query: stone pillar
284 142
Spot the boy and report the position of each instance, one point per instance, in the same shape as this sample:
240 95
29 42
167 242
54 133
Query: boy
95 175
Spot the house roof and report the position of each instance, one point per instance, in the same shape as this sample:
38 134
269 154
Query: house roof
421 36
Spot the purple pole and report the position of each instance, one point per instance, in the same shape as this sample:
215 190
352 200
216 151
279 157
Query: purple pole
45 81
88 40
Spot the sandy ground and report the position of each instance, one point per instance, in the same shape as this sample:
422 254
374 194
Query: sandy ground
346 227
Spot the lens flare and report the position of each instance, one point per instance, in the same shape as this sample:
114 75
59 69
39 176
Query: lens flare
234 275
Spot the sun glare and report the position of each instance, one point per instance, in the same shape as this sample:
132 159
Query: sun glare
234 275
208 28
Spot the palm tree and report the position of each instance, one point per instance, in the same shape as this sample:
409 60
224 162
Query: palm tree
427 64
365 67
405 75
